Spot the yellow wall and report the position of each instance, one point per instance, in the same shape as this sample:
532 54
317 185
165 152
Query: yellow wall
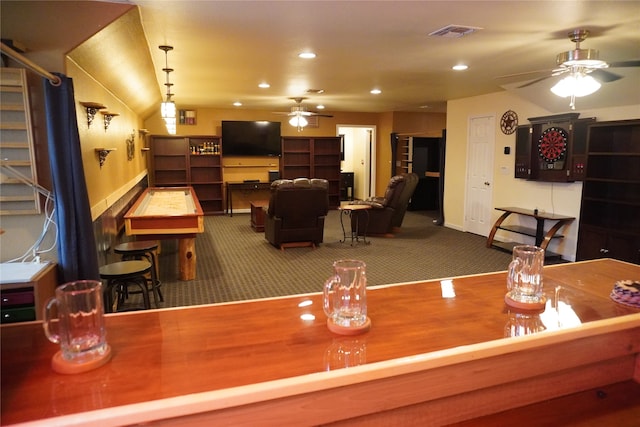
108 183
561 198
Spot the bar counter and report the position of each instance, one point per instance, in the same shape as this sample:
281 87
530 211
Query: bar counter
438 352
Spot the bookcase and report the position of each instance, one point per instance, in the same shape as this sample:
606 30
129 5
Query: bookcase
17 197
194 161
313 157
610 210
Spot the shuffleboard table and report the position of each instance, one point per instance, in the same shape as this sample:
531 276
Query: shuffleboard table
169 213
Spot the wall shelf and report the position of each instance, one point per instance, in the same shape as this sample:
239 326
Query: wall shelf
92 109
103 153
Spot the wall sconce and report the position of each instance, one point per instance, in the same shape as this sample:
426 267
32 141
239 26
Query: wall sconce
107 119
92 109
103 153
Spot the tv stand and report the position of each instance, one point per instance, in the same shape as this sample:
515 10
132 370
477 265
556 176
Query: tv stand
541 239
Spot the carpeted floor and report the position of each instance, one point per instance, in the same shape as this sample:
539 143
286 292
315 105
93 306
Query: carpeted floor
236 263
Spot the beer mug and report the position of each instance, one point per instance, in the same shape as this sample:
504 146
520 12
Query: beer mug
345 296
524 279
80 329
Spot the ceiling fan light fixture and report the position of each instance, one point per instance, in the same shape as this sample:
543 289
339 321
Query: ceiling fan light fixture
298 121
576 84
581 57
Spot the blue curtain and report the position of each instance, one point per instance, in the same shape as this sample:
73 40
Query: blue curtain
77 253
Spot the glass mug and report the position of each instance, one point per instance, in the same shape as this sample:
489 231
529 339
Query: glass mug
345 294
80 329
524 277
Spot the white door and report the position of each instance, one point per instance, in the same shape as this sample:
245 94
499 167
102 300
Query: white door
479 194
359 152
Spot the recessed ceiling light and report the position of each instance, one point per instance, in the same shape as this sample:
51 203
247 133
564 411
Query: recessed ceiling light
307 55
237 104
320 107
460 67
376 91
264 85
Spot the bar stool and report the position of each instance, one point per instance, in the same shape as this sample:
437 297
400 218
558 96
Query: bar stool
140 249
120 276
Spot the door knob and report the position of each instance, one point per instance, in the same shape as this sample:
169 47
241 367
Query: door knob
487 183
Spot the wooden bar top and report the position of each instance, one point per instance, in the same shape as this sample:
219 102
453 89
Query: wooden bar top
231 354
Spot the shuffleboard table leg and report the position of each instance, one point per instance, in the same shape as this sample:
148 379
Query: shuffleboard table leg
187 253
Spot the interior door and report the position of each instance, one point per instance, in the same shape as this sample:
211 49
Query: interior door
479 191
359 152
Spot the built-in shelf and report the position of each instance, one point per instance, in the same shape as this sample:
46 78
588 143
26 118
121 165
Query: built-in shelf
251 166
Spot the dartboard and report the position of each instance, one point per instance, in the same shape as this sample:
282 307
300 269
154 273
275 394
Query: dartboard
552 144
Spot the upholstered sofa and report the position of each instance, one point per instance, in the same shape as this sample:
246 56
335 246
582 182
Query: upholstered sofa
296 212
387 212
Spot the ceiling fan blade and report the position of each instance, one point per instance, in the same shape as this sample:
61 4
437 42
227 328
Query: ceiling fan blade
526 73
604 76
532 82
623 64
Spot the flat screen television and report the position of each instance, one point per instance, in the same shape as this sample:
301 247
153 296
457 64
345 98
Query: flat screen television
246 138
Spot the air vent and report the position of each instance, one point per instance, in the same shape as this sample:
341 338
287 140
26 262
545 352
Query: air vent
454 31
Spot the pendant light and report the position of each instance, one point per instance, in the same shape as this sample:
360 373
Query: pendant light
168 107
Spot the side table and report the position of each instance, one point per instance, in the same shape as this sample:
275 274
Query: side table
257 214
348 210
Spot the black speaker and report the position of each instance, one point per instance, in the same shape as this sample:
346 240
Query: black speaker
274 175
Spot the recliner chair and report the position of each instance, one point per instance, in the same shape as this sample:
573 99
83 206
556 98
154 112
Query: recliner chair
296 212
387 212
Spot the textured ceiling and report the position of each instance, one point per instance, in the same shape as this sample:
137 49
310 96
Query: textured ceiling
223 49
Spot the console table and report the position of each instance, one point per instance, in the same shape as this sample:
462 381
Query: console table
541 239
243 186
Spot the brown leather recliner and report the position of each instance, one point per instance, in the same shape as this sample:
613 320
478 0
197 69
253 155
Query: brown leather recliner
296 212
387 212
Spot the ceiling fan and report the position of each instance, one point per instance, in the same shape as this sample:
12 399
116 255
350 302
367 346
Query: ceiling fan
299 114
585 70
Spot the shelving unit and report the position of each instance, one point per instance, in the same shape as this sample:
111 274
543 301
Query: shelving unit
26 291
313 157
205 167
610 211
404 155
190 161
16 146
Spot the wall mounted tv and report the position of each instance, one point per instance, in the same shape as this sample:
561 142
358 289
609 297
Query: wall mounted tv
245 138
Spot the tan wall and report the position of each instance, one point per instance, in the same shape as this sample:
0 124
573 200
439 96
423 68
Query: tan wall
561 198
118 174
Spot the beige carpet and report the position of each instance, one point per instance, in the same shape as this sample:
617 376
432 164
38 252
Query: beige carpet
236 263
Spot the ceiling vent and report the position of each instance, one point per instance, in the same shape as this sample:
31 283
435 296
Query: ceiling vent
454 31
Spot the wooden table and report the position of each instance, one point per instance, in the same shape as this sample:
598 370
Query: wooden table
541 239
246 186
169 213
436 351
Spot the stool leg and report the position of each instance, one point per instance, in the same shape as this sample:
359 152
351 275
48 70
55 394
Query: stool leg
155 283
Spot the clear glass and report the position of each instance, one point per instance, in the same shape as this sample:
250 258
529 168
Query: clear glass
524 279
80 327
345 294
